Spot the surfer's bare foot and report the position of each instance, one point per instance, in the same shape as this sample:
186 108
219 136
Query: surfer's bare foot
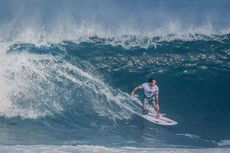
158 116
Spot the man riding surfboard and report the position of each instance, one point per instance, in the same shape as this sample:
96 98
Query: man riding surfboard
151 95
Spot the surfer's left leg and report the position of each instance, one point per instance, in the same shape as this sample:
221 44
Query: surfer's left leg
155 106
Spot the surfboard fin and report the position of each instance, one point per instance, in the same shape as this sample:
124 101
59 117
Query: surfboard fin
145 111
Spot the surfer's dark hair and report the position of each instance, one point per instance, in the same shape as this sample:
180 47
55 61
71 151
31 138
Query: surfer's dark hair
151 79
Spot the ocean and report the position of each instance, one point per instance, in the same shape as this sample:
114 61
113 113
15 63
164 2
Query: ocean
65 75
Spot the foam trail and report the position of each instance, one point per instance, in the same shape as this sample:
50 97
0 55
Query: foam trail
100 88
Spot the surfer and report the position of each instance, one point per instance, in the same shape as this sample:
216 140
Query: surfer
151 95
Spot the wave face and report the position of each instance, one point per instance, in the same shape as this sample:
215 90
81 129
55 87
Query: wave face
76 93
65 76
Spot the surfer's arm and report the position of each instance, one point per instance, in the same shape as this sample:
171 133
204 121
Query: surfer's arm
134 91
157 98
156 106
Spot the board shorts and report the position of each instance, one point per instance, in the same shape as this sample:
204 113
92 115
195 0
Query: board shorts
149 100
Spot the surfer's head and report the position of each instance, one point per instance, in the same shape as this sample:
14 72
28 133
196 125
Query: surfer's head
152 81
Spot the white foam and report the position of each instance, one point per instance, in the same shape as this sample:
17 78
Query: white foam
126 35
102 149
28 88
21 91
99 88
190 135
223 143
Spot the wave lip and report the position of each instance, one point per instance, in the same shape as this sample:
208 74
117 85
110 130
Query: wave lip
124 35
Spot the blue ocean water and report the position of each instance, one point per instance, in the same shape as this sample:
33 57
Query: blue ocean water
65 76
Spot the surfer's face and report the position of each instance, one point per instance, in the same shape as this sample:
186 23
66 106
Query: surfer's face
153 83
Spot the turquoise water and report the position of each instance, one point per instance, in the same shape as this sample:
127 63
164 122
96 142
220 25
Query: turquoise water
64 82
72 93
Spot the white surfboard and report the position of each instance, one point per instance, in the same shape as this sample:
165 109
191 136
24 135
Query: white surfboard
151 117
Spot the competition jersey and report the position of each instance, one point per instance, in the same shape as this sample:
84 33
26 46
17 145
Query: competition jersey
148 90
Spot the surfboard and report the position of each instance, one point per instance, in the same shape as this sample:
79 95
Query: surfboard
151 117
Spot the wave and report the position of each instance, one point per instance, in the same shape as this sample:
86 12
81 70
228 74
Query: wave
80 88
37 86
29 71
